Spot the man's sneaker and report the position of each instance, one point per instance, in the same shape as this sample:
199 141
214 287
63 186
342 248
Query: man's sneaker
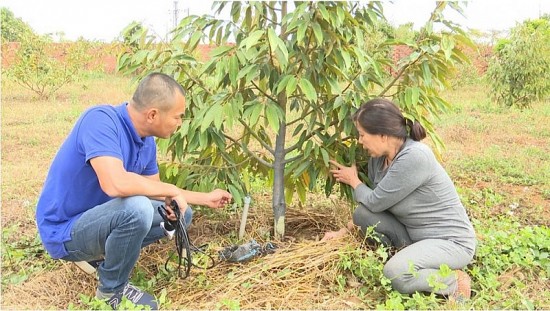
135 295
463 287
88 266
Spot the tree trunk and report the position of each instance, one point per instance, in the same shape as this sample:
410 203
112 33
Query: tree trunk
279 204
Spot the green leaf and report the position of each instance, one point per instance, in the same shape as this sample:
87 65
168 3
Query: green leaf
248 17
278 47
272 38
208 119
237 197
194 41
235 11
182 176
219 34
289 193
282 55
301 168
252 39
246 71
203 139
308 89
340 14
412 95
426 73
359 36
347 58
282 83
308 148
335 87
141 56
300 34
324 13
318 33
447 44
272 115
343 113
233 70
229 114
325 156
256 110
216 110
291 86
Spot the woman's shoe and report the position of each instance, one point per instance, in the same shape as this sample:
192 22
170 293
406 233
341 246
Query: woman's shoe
463 287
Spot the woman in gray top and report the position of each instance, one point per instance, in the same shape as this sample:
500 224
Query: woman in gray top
413 205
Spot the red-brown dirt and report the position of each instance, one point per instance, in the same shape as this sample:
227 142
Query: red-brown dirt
105 55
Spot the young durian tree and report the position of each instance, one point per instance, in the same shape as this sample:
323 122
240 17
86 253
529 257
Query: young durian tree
275 97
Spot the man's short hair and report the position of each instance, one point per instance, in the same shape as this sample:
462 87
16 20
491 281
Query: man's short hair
156 90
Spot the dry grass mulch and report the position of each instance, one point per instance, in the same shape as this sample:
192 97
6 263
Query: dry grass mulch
301 274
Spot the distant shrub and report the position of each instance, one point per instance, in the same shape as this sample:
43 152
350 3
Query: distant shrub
35 68
518 73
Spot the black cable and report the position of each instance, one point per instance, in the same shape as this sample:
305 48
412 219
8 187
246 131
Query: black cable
182 241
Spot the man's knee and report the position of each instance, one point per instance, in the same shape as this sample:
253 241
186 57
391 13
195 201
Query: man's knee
139 211
188 216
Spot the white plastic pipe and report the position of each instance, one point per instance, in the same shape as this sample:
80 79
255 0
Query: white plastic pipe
247 200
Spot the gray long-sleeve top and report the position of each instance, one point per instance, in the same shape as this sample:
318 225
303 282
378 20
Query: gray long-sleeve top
419 193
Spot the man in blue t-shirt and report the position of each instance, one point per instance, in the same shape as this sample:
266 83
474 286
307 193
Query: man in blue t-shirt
100 198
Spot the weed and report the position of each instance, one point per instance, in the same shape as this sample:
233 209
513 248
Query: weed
21 256
507 256
228 304
93 303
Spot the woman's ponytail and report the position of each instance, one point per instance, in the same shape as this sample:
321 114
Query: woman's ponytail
417 131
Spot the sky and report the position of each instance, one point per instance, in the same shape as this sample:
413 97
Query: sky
103 20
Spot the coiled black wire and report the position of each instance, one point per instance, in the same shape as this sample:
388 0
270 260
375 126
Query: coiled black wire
182 242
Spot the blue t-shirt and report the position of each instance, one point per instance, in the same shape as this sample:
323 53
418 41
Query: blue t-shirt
72 187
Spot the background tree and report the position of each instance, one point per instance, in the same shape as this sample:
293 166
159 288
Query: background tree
13 28
34 66
274 100
518 72
37 69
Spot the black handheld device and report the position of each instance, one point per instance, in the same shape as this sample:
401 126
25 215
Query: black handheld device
184 247
169 225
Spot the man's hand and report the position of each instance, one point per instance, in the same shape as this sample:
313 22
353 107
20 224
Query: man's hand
217 198
182 205
346 175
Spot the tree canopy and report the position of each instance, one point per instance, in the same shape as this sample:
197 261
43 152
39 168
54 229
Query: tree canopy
518 72
13 28
275 98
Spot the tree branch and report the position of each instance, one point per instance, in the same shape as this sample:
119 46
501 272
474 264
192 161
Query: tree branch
308 136
285 162
303 116
399 74
261 141
247 151
272 7
264 93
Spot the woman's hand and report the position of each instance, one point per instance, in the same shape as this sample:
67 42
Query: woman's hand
334 234
346 175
